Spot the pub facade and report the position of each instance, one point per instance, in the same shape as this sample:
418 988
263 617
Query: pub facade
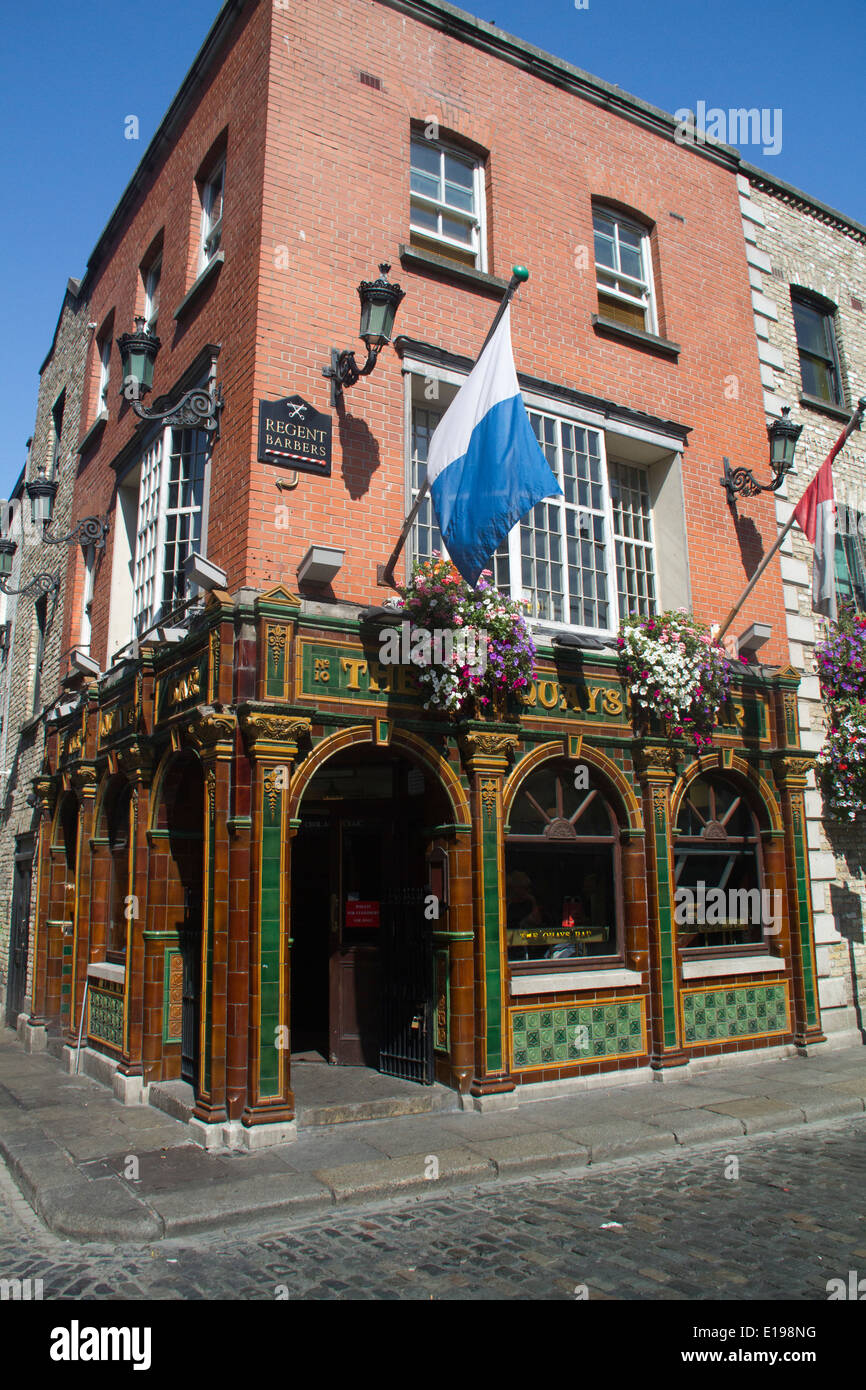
276 851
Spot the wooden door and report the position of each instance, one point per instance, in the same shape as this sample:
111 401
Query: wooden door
361 845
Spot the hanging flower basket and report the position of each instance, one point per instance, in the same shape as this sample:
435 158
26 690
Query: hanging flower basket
677 671
841 663
473 651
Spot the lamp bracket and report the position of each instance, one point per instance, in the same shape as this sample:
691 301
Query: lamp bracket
344 369
198 409
90 530
40 584
743 483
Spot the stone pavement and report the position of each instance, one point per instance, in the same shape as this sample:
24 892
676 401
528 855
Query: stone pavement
96 1170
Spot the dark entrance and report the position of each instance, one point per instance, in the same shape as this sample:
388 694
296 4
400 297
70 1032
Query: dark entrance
184 806
19 938
362 965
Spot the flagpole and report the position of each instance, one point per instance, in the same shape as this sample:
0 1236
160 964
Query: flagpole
852 425
385 573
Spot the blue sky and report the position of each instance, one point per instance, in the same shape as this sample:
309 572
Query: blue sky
71 72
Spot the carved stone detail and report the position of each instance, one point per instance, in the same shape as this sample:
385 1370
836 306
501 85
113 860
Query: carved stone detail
488 795
791 767
259 725
276 643
211 729
654 759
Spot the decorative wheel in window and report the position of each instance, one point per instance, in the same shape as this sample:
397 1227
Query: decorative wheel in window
717 866
562 872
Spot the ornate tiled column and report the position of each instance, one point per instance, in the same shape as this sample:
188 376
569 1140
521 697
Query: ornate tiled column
84 779
35 1033
272 738
211 732
134 761
790 773
656 768
485 753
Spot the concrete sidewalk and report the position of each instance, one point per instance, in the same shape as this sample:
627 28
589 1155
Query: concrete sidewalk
94 1169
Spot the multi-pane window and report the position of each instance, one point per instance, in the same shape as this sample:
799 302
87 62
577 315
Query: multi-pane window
426 537
578 559
850 556
212 214
147 540
816 344
87 598
623 271
170 503
632 540
717 846
152 277
563 551
447 202
183 513
41 614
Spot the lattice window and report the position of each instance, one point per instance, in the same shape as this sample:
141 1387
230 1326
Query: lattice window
633 540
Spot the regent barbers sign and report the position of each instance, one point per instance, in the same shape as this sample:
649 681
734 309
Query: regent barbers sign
294 435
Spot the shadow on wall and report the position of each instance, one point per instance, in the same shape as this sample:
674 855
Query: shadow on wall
361 455
750 543
848 912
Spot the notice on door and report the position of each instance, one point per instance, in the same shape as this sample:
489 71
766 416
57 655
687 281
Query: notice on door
362 914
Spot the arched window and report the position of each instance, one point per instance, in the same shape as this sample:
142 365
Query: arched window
562 872
119 841
718 871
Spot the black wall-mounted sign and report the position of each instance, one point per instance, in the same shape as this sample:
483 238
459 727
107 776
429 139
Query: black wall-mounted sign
294 435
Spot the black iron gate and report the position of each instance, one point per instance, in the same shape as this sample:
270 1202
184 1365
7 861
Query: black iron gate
406 1048
19 928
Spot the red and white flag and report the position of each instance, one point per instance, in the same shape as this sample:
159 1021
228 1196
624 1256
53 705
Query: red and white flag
815 514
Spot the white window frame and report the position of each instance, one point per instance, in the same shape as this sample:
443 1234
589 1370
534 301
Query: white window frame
645 301
211 226
104 349
85 627
477 220
152 276
581 417
148 557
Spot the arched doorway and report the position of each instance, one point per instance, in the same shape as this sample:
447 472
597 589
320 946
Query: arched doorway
362 952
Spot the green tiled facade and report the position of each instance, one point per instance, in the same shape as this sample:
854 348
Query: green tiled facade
270 927
712 1015
576 1033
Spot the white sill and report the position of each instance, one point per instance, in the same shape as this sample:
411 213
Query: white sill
106 970
579 980
732 965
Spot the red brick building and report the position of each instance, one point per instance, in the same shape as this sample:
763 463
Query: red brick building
224 792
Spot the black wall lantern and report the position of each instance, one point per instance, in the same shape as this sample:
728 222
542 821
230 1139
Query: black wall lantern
783 435
379 303
90 530
199 409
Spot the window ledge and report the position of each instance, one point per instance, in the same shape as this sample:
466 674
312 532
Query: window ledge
609 328
732 965
95 429
198 285
579 980
838 412
106 970
412 256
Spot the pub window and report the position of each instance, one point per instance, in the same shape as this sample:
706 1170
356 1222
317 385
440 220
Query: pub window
850 556
151 277
814 321
103 349
171 494
562 874
211 192
717 846
57 431
119 844
583 559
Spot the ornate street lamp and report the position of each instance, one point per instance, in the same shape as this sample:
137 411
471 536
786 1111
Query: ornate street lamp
379 303
198 409
90 530
40 583
783 435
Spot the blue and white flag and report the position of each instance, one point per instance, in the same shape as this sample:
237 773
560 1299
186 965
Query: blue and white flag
485 467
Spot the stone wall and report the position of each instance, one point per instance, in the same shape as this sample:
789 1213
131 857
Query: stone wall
793 242
23 727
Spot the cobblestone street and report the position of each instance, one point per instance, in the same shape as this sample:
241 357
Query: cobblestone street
680 1228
